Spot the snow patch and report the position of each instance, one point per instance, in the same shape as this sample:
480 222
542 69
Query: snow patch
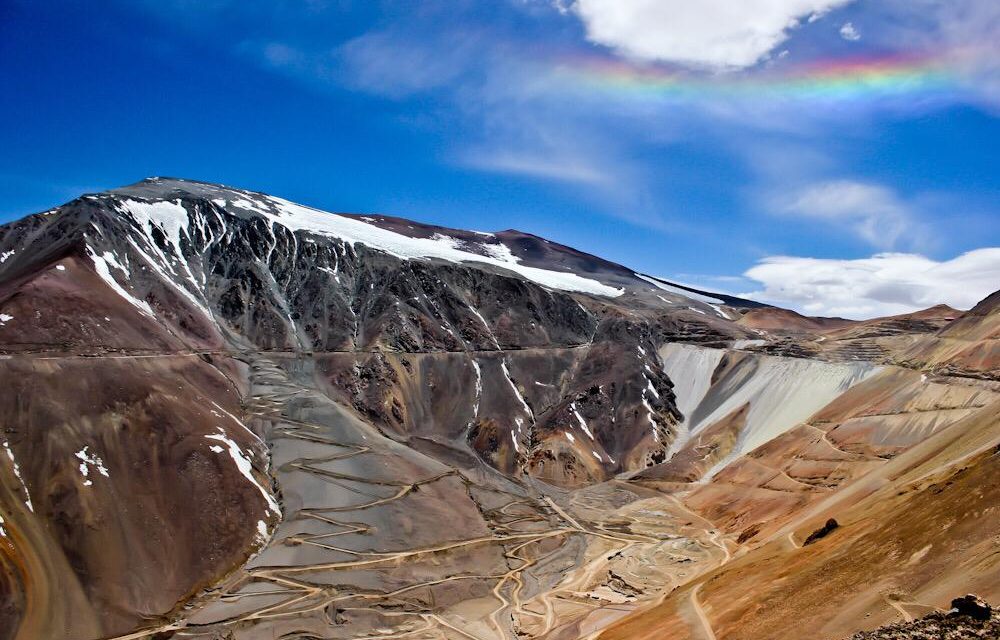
583 423
250 205
169 217
479 389
488 329
722 312
297 217
651 388
649 416
237 421
499 251
103 264
261 536
510 381
245 467
5 318
166 278
17 472
690 295
88 461
333 273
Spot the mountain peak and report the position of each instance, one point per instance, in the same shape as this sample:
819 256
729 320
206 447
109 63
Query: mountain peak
170 205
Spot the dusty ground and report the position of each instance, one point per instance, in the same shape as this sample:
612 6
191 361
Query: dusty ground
380 540
362 549
913 533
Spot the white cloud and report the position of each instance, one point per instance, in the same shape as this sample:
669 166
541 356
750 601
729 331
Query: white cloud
873 212
538 166
848 32
884 284
708 33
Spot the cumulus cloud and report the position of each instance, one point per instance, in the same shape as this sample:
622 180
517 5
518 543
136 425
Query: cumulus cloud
709 33
872 212
884 284
849 32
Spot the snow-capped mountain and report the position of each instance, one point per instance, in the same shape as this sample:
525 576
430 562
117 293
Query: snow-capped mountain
227 415
204 267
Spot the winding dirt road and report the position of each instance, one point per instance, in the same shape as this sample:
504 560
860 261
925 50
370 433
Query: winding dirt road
707 631
545 585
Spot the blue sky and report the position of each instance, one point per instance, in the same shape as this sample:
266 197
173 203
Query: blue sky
833 156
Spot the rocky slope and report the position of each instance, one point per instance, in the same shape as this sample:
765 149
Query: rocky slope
226 415
905 461
977 621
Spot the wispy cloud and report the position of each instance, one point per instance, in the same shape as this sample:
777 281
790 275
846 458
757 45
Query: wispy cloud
396 63
281 55
570 169
873 212
884 284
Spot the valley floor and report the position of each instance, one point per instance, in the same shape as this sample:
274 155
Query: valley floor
380 540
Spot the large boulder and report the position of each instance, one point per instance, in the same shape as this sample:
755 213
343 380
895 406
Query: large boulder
973 606
822 532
